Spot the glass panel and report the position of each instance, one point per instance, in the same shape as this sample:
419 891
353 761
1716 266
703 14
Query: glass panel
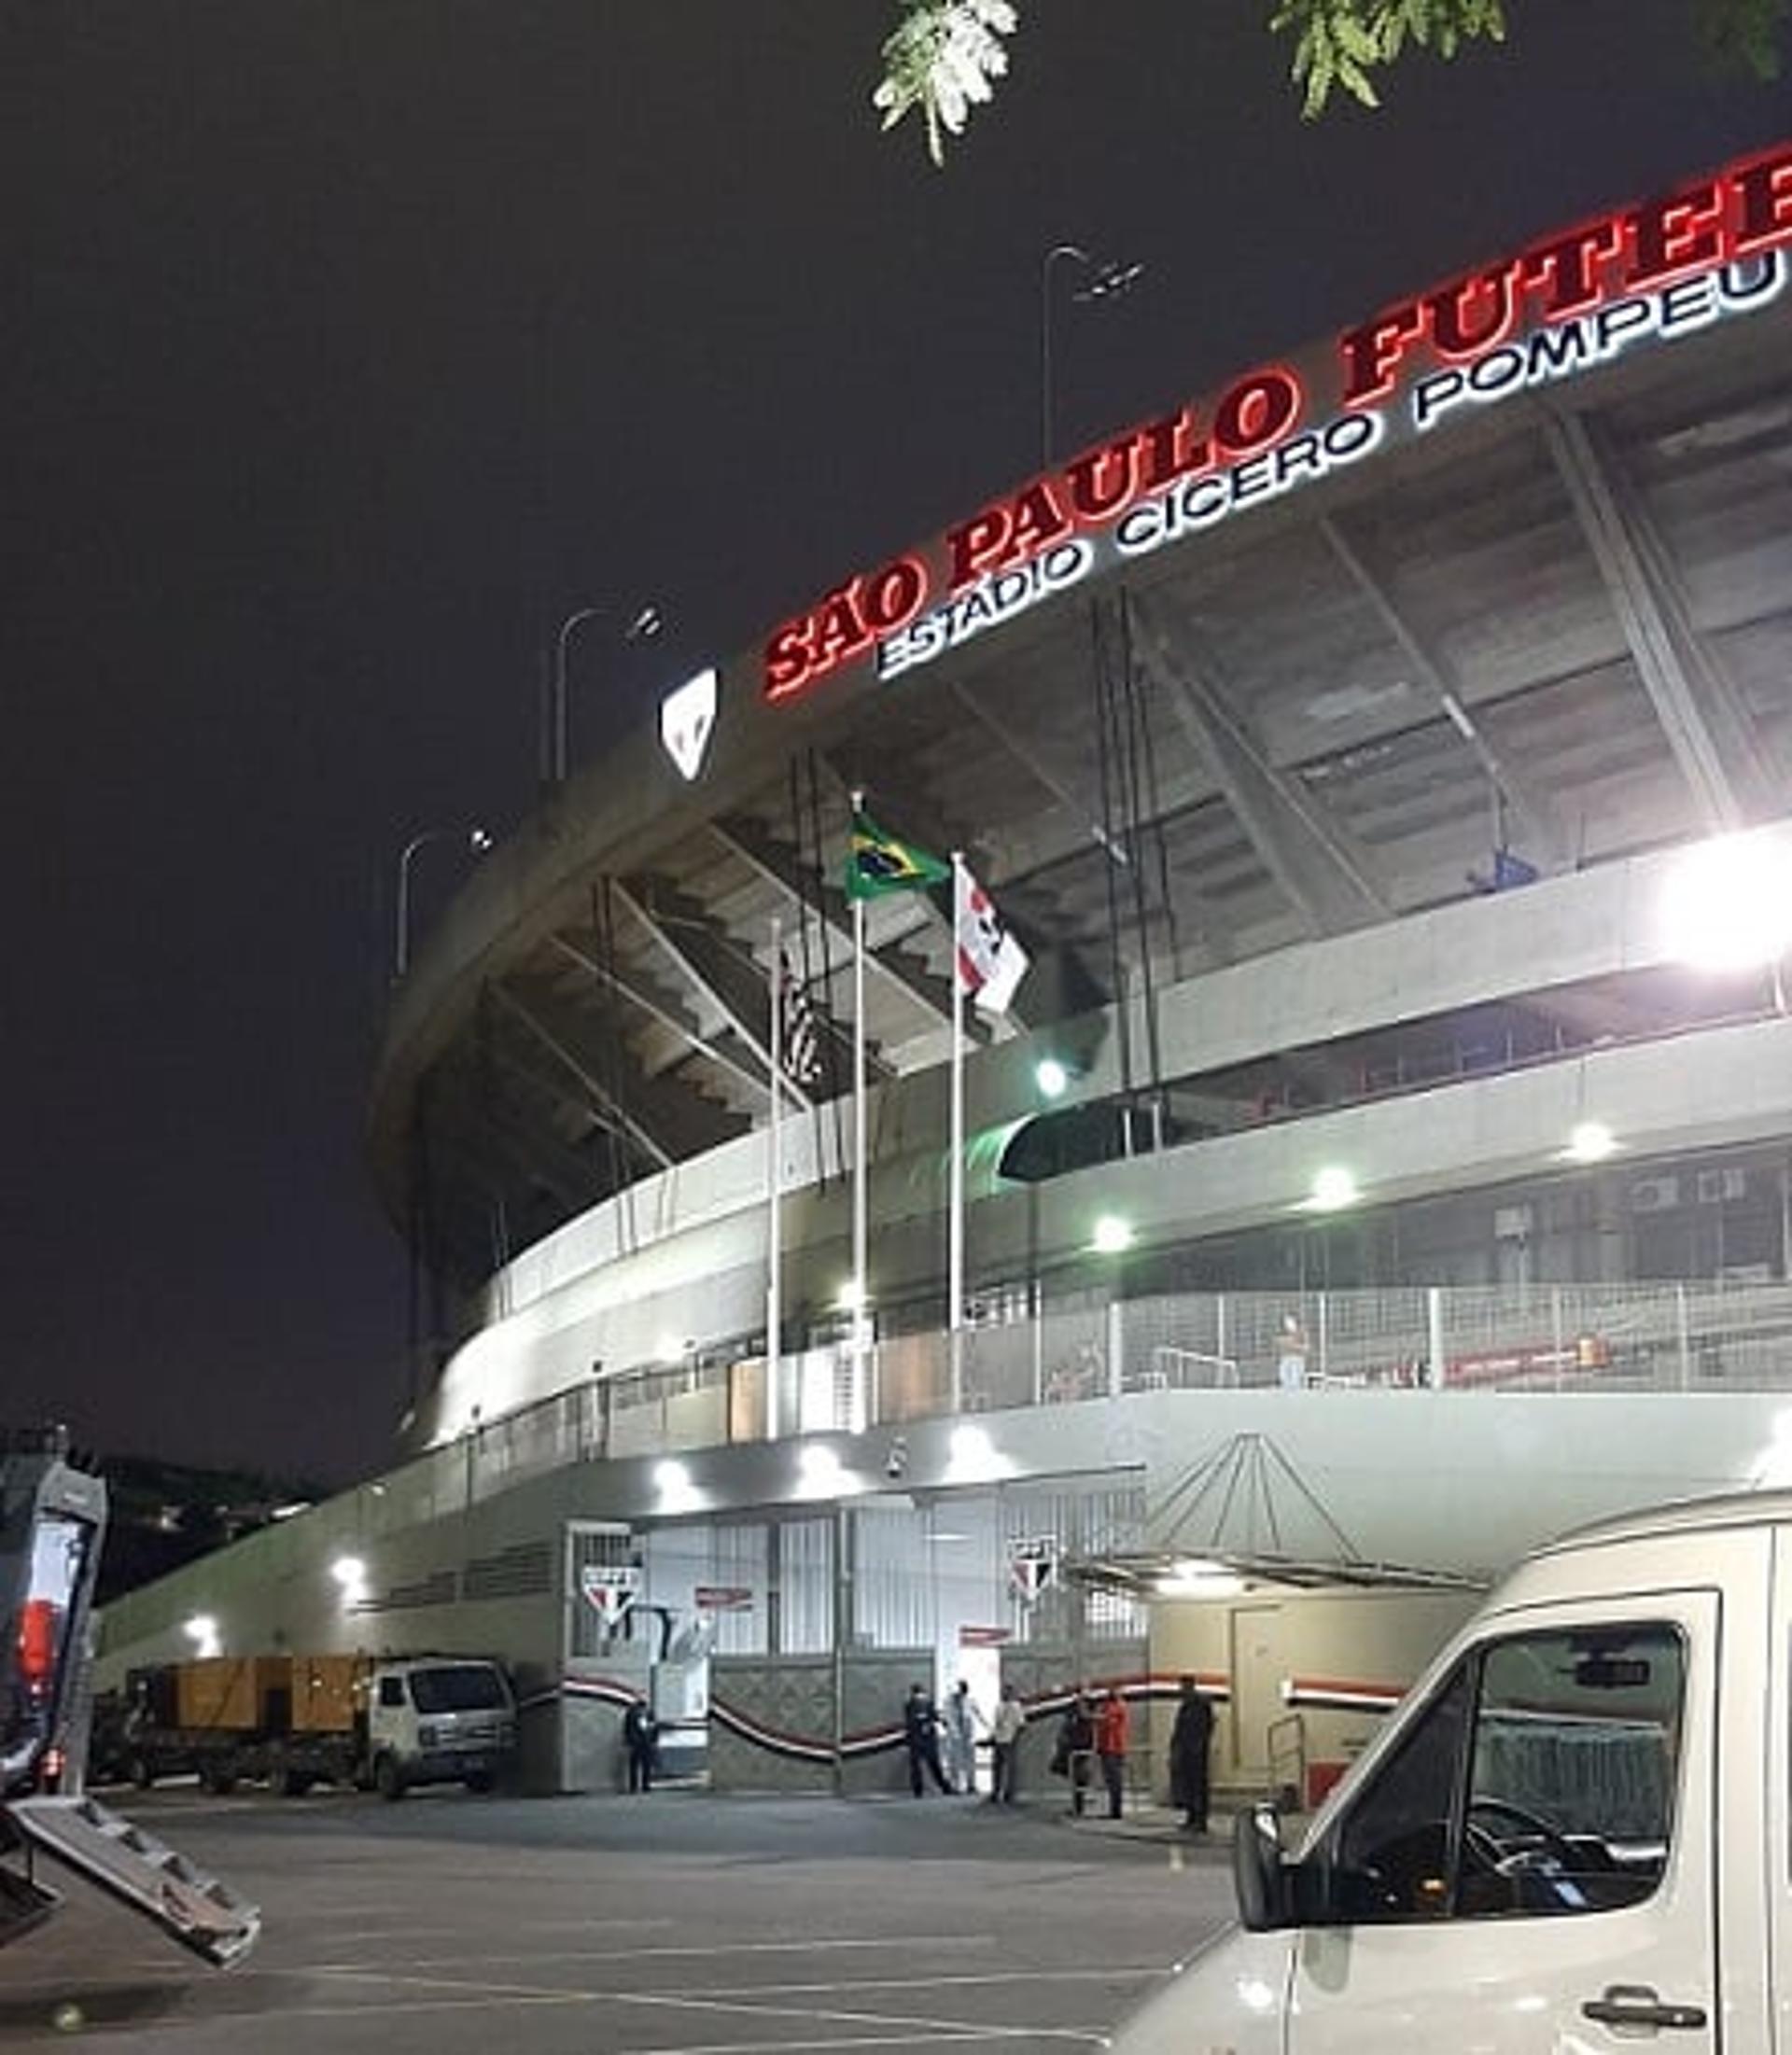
1393 1848
1559 1801
1571 1793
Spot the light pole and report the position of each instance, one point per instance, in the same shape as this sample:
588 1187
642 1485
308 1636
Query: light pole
1104 278
644 624
478 841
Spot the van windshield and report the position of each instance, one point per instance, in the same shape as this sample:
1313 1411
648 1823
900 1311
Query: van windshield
458 1687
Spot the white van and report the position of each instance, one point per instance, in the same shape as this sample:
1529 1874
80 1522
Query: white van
1572 1836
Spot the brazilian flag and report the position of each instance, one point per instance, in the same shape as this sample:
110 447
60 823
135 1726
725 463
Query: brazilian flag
878 864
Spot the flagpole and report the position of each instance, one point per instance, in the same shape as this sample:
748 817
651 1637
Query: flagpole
860 1282
774 1188
954 1204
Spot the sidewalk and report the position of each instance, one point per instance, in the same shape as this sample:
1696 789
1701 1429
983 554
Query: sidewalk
1146 1822
1143 1820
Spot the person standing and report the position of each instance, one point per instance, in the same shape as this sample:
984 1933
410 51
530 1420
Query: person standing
921 1737
1075 1745
641 1736
1291 1354
1110 1725
960 1719
1006 1730
1189 1743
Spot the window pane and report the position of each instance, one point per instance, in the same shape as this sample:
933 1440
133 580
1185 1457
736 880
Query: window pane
1392 1859
1571 1794
464 1687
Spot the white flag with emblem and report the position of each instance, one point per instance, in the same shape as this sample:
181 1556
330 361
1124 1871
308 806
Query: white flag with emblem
991 963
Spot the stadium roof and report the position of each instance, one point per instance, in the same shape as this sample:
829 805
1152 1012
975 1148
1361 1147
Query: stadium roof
1557 627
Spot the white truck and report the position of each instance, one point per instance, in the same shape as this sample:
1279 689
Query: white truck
1573 1834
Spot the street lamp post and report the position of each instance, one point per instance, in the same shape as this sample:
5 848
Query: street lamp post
644 624
478 841
1104 279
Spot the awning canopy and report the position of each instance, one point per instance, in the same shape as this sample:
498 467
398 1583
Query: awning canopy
1159 1574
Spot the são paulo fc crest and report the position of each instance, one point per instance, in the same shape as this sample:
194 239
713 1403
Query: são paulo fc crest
1032 1567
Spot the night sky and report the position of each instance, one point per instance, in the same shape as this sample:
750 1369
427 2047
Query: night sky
353 343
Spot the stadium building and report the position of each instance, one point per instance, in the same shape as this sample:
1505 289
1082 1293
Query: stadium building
1385 765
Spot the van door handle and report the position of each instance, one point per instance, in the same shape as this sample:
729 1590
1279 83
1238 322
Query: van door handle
1636 2005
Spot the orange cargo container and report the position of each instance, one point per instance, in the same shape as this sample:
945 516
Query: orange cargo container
229 1693
323 1693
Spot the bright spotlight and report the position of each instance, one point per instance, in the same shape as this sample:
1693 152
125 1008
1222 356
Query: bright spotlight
1333 1188
1112 1236
672 1481
1728 904
1052 1078
350 1574
1203 1580
819 1471
972 1459
1591 1141
202 1631
851 1298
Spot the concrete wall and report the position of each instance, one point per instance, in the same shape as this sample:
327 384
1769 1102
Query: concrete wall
1462 1480
1332 1644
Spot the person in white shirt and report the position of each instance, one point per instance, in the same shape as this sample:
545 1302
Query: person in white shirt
959 1721
1004 1735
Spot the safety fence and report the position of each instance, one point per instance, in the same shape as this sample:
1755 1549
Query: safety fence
1612 1338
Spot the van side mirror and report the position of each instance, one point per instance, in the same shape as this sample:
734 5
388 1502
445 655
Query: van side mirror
1259 1875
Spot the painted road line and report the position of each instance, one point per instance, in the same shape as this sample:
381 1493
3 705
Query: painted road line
978 2028
676 1950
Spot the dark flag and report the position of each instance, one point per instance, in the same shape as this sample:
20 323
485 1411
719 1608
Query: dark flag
799 1030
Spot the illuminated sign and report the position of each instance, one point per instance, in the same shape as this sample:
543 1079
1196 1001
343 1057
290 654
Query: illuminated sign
687 717
1659 270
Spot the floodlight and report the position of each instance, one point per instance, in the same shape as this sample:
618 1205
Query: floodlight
1591 1141
1333 1188
1728 903
1051 1077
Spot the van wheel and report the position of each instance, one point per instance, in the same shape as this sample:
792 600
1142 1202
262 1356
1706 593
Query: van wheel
388 1779
481 1781
218 1779
142 1772
294 1783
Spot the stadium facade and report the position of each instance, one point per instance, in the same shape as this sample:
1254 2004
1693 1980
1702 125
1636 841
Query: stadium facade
1386 763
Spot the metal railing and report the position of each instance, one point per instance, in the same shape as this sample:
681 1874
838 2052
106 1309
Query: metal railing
1614 1338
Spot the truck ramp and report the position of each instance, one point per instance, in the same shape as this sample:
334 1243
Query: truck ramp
189 1906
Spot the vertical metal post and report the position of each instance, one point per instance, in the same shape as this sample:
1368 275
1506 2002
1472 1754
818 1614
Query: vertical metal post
1435 1370
842 1632
773 1190
1685 1336
861 1285
955 1181
1555 1330
1116 1340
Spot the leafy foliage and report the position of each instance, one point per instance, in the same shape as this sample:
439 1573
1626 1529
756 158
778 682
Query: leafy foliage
1744 35
942 58
1341 43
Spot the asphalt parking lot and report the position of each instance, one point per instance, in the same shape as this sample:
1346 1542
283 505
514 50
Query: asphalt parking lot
675 1924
